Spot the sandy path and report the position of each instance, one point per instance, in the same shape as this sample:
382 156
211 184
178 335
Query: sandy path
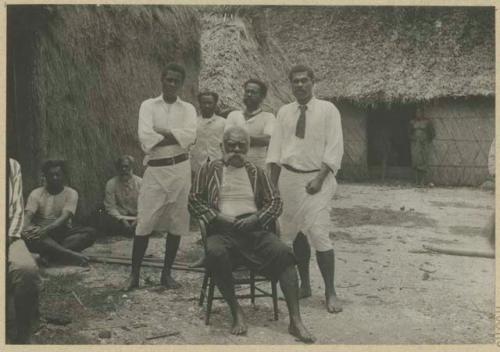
391 296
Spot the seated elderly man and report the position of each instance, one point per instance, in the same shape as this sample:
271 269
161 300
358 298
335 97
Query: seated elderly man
48 228
120 200
238 203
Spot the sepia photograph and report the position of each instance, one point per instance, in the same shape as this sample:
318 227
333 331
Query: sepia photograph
249 175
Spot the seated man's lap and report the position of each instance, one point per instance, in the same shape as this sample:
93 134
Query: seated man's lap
260 251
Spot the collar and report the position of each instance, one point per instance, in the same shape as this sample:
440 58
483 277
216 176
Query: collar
209 120
309 103
159 99
251 114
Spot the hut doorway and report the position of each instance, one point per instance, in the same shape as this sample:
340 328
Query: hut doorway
389 153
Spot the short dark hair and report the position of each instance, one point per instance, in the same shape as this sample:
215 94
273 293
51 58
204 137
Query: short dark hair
262 86
49 164
122 158
301 68
210 93
172 66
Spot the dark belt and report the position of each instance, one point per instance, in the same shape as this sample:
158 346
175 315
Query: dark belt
169 161
292 169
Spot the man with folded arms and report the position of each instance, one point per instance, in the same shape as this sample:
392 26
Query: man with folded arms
239 205
167 128
304 154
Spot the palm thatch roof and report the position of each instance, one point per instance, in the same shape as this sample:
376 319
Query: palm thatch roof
375 55
77 75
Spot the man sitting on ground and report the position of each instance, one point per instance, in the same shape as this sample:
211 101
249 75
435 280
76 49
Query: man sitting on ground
47 226
120 200
238 203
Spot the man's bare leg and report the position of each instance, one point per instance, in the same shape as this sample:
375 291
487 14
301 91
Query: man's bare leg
79 241
302 251
138 250
290 287
52 249
171 246
220 266
326 264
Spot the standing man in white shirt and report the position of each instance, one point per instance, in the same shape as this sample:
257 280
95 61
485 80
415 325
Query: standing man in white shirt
208 133
167 128
259 124
305 154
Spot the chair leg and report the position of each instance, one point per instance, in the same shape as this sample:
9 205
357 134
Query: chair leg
203 292
210 299
252 287
274 292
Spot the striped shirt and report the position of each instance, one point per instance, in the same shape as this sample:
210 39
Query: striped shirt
205 193
16 203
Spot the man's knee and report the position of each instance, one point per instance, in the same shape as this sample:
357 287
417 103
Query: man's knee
89 234
217 255
24 277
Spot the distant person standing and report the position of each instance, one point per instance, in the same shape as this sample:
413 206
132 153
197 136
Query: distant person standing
120 199
167 129
305 154
259 124
422 134
23 280
209 131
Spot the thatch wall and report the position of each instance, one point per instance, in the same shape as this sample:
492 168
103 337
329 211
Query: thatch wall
77 75
464 131
354 129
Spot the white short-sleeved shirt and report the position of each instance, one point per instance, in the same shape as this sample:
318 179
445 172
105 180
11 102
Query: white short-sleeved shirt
179 117
48 207
323 141
259 124
208 140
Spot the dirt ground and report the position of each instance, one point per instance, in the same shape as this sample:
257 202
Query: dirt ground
392 294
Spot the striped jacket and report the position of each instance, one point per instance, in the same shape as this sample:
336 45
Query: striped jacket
204 196
16 203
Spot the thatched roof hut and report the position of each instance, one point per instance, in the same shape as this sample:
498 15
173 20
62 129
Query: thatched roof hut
439 60
389 54
76 78
369 55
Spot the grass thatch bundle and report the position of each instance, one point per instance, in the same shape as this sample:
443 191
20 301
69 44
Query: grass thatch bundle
77 76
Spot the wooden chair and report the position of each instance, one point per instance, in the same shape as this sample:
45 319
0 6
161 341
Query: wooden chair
251 279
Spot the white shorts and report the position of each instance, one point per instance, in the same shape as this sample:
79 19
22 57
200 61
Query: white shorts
163 200
302 212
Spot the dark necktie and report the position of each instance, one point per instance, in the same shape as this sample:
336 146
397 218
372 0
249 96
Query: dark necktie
300 130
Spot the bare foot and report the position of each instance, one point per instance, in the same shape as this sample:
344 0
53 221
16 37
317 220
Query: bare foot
239 325
131 283
168 281
305 291
333 304
200 263
80 259
300 332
